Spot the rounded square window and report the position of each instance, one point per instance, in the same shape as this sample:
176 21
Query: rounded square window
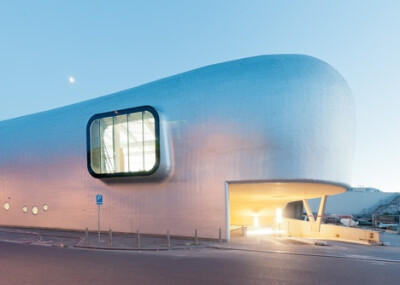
124 143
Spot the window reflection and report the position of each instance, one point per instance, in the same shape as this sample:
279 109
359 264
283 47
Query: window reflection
123 143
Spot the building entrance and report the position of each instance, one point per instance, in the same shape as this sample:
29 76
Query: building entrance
266 208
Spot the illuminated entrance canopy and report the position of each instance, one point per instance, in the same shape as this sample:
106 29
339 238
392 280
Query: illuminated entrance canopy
124 143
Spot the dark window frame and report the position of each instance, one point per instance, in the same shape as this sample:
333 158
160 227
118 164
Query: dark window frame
150 109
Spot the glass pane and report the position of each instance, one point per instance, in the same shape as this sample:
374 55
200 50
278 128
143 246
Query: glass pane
121 143
107 147
135 126
95 146
149 135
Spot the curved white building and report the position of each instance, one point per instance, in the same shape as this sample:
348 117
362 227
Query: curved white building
205 149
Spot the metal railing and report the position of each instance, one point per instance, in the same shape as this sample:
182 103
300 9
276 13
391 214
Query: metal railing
388 201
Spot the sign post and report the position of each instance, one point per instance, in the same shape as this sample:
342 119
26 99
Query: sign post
99 202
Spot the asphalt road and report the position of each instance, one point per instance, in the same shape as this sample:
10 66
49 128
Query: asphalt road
32 264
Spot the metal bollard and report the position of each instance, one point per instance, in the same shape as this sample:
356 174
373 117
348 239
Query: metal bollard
137 239
196 239
110 238
86 236
168 240
220 236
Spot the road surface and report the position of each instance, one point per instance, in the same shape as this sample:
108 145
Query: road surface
33 264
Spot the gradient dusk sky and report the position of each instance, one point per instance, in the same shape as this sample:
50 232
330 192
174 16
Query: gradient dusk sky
55 53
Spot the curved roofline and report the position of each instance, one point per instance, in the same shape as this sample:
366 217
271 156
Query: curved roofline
312 181
210 66
198 69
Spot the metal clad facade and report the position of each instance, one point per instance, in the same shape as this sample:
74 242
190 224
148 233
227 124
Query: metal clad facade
279 117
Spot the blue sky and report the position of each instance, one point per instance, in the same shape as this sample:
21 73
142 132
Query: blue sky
108 46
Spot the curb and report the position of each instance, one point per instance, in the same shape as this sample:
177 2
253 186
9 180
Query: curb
304 254
80 246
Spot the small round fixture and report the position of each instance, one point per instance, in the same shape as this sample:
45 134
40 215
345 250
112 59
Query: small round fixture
35 210
25 209
6 206
45 207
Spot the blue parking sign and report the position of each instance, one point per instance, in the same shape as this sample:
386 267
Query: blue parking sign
99 199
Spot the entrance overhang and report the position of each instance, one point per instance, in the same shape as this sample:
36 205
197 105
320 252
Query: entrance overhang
257 202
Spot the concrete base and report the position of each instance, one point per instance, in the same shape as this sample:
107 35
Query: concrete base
298 228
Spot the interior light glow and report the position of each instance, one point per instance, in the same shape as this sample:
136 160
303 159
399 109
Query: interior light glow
256 222
279 215
258 231
71 79
253 231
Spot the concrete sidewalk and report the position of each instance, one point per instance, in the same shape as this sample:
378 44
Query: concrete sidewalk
266 244
304 246
390 238
130 241
118 241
